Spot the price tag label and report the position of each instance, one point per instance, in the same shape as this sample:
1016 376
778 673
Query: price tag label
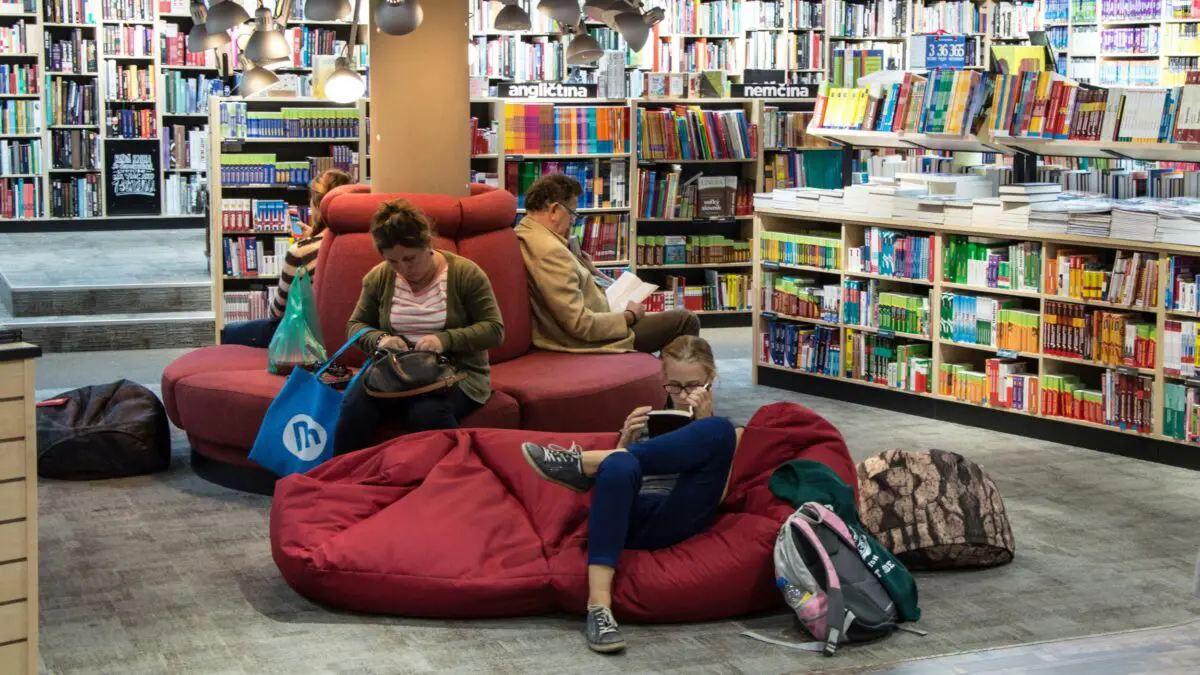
646 164
1126 370
770 315
1006 354
884 333
231 146
770 265
945 51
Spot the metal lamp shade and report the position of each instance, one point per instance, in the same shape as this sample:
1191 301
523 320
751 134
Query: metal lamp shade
583 49
594 9
326 10
267 45
225 15
344 85
398 18
634 29
512 17
200 40
566 12
256 79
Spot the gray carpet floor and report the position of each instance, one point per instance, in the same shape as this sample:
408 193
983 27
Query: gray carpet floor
170 574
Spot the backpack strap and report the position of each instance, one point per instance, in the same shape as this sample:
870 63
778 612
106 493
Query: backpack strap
353 338
838 619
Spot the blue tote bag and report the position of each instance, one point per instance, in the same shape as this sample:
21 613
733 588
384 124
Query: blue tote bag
297 433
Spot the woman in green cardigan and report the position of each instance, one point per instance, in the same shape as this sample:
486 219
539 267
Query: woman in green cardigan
438 302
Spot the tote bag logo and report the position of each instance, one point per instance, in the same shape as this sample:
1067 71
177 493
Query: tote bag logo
304 437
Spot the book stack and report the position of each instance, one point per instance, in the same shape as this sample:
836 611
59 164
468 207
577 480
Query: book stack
812 248
74 149
484 139
76 197
184 194
604 181
1123 400
20 198
1017 200
978 320
787 130
540 129
690 250
1112 338
19 79
18 38
811 349
1179 348
74 54
884 360
1129 279
129 82
246 305
132 123
128 40
1181 283
992 263
22 157
605 237
720 292
799 199
691 133
1181 412
509 57
185 147
252 257
800 297
1135 219
892 253
664 194
255 215
1179 224
183 94
1009 385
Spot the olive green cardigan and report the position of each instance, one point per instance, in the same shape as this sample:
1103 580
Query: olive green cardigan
473 322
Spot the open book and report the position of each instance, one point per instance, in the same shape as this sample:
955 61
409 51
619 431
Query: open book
626 289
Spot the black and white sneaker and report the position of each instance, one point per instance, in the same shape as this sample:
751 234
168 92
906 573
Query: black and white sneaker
602 633
558 465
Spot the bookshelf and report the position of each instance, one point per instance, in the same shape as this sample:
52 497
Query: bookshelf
22 146
261 161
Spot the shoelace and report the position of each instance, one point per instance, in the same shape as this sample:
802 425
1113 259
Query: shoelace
556 454
605 621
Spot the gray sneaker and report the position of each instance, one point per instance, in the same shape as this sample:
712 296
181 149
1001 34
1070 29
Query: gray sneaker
558 465
602 633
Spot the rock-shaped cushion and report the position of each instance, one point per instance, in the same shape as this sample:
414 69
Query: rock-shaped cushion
934 510
455 524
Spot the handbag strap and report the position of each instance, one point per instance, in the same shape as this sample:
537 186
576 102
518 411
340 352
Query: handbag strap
353 338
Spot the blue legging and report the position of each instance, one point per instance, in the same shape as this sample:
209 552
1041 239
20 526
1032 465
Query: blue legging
621 518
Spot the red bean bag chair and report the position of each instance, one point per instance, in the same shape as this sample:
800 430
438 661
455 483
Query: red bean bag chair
455 524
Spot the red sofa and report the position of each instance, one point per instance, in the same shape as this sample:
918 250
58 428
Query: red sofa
219 394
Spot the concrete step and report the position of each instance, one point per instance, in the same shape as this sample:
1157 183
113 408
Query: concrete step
96 300
86 333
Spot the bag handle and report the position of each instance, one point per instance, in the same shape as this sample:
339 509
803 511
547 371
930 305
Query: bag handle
353 338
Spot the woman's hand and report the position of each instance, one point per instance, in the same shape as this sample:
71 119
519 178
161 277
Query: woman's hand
392 343
702 403
429 343
635 424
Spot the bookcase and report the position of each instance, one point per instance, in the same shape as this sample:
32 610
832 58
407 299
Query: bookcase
22 158
265 151
993 312
1124 43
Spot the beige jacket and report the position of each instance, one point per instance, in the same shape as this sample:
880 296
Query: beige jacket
570 312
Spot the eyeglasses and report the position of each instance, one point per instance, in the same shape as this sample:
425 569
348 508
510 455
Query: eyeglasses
574 213
683 388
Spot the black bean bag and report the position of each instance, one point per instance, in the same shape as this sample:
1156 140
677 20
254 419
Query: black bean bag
102 431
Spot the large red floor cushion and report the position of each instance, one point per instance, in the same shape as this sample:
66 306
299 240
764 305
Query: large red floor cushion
455 524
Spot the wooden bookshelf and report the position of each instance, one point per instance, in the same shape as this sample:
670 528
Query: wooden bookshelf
944 351
285 149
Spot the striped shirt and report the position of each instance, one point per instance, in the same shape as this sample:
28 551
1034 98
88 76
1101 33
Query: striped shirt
303 253
417 314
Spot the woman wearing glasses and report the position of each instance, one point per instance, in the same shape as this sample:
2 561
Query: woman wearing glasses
647 493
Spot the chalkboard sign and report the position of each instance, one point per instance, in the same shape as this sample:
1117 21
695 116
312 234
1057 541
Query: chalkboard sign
134 182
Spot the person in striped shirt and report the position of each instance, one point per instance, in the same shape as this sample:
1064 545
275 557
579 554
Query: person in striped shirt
302 253
421 298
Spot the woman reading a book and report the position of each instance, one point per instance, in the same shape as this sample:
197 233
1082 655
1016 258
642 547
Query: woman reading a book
427 299
661 485
302 253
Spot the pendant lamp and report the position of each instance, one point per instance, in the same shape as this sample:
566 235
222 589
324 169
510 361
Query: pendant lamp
346 85
583 48
199 39
326 10
512 17
594 9
634 29
398 17
225 15
255 78
267 42
566 12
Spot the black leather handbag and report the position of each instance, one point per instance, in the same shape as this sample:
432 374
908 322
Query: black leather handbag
401 374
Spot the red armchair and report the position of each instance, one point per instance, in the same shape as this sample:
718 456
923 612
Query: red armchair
219 395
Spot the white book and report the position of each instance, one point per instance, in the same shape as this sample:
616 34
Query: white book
626 289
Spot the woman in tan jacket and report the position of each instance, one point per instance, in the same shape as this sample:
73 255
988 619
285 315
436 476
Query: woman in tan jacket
432 300
570 311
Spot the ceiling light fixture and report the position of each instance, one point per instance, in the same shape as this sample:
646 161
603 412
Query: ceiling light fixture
583 48
398 17
345 84
512 17
267 42
255 78
198 38
225 15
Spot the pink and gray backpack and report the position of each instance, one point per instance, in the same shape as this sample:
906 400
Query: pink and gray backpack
825 580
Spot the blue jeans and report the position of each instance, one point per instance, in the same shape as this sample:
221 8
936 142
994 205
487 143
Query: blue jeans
257 333
701 453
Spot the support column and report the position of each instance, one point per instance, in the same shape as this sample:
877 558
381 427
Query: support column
420 108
